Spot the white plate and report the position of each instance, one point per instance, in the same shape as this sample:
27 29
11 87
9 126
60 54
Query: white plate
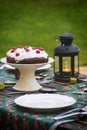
3 60
45 67
44 102
8 65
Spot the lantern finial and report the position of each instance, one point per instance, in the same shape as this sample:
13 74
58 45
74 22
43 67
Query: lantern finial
66 38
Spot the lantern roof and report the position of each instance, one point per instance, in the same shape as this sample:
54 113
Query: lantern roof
66 46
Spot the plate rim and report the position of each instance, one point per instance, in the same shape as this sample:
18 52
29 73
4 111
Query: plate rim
43 109
41 66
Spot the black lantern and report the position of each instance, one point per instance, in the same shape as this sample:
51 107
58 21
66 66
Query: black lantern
66 57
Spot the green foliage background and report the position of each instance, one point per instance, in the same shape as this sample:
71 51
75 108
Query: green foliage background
40 22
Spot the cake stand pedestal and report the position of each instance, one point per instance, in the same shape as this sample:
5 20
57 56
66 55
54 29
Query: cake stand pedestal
27 81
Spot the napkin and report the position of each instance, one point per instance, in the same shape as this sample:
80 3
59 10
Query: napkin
6 66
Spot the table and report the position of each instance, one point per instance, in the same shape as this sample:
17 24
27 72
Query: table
17 118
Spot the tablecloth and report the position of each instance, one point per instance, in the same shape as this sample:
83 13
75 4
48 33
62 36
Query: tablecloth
18 118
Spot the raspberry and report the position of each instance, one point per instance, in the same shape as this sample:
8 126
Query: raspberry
27 50
34 48
13 50
41 48
25 47
21 47
37 51
17 54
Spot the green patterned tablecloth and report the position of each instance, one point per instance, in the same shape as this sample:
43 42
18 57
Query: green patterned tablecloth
13 117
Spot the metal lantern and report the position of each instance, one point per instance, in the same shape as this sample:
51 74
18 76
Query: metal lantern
66 57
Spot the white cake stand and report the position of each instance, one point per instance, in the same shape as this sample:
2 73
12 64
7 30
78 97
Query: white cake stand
27 81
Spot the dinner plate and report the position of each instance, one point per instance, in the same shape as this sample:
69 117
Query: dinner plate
9 65
44 102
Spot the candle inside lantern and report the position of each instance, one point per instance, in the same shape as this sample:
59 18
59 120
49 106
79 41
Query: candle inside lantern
66 64
66 69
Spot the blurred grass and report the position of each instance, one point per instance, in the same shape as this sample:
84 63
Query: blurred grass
40 22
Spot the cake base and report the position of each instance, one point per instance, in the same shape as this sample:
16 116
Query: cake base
27 80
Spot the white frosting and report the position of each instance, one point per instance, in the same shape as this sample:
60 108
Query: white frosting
21 53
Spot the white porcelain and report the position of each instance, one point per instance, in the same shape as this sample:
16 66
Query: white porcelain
27 81
44 101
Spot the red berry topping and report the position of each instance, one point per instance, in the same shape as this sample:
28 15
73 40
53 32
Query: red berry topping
34 48
27 50
13 50
21 47
41 48
17 54
26 47
37 51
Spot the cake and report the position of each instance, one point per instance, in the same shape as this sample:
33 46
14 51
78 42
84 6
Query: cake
27 55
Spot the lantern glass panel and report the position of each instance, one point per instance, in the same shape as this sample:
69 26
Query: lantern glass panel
76 64
56 64
66 64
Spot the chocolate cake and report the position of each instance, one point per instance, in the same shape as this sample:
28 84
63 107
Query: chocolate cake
27 55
